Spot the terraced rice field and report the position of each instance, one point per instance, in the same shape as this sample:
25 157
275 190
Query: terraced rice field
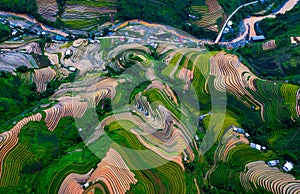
13 164
113 171
71 183
228 141
68 173
25 47
269 45
9 139
244 154
152 132
275 136
48 9
10 61
233 76
157 179
210 14
271 178
289 92
66 107
42 77
88 14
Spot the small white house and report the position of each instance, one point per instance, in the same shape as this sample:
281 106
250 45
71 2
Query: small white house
69 52
288 166
255 146
14 32
238 130
247 135
185 159
196 137
258 147
252 145
86 185
73 69
272 163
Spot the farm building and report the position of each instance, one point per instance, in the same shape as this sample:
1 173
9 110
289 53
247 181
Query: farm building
258 38
59 38
288 166
68 53
239 130
295 40
73 69
255 146
273 163
86 185
201 117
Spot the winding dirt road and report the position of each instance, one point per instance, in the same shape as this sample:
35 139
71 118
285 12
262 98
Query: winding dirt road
249 22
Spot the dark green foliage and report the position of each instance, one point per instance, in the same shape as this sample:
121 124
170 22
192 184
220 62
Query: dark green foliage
16 95
287 145
168 12
71 77
105 31
4 32
61 6
282 62
213 47
287 24
19 6
103 107
22 69
273 64
41 60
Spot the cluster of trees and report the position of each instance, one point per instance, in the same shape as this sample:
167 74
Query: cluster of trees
4 31
103 107
19 6
287 24
61 6
17 96
282 62
230 6
169 12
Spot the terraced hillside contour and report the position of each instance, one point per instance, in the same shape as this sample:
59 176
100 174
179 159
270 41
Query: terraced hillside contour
114 173
229 140
42 77
66 107
87 14
237 79
10 138
269 45
270 178
73 183
48 9
10 61
210 15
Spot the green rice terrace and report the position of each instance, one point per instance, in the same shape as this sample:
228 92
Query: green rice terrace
147 109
